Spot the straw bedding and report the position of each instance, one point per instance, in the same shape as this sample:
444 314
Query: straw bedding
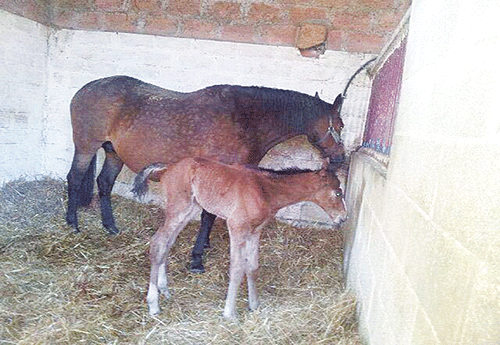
62 288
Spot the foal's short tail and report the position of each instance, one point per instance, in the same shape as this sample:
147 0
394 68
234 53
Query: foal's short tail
87 186
141 180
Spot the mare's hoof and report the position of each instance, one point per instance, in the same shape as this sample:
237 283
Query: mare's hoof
197 268
113 230
73 223
74 227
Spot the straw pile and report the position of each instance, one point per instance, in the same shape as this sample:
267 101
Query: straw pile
62 288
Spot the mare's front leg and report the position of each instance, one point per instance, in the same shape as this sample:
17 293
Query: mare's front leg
202 241
105 181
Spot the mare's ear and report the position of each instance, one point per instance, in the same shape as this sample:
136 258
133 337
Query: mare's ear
317 95
325 164
337 105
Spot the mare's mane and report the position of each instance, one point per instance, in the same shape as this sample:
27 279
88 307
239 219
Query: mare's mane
291 108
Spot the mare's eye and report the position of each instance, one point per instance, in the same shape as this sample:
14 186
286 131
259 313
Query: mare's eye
338 194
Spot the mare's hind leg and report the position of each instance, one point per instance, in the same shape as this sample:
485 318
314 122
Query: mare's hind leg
202 241
105 181
80 170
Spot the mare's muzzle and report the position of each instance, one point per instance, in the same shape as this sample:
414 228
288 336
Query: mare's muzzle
335 162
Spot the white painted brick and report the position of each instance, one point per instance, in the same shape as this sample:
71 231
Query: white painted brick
23 61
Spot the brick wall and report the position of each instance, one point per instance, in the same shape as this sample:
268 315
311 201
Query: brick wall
353 25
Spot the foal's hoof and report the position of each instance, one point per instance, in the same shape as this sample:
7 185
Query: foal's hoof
230 316
154 310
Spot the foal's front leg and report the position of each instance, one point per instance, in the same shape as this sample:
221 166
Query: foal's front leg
251 269
236 272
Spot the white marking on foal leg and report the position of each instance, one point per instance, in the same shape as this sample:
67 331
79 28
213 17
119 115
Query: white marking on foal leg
236 272
253 299
236 276
163 281
154 307
251 268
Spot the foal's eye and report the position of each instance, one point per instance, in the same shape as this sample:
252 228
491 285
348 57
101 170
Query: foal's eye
338 194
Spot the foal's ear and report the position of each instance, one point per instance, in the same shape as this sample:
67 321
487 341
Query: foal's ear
317 95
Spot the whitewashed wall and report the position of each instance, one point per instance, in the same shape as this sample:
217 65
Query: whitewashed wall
23 67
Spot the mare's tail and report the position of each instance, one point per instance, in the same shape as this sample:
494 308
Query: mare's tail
87 187
141 180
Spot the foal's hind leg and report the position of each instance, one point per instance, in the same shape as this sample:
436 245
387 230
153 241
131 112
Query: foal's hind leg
158 276
202 241
79 170
176 218
105 181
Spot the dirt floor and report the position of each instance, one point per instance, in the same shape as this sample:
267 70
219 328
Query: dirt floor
57 287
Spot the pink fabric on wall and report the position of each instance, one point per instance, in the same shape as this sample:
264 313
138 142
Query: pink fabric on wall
384 100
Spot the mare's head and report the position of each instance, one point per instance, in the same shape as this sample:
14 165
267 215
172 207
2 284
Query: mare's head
325 134
329 195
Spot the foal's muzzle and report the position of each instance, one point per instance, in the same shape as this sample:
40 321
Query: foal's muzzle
340 219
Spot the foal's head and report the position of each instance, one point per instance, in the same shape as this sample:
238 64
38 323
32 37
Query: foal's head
329 195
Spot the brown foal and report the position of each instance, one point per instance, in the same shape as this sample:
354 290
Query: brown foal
246 197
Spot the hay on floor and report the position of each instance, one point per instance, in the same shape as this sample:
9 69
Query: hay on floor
90 288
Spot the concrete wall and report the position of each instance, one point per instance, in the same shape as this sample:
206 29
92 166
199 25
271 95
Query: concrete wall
45 67
424 253
23 87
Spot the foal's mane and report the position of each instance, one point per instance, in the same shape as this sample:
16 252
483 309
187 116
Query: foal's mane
284 172
291 108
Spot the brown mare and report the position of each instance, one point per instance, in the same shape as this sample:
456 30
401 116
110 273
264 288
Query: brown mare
138 124
245 197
